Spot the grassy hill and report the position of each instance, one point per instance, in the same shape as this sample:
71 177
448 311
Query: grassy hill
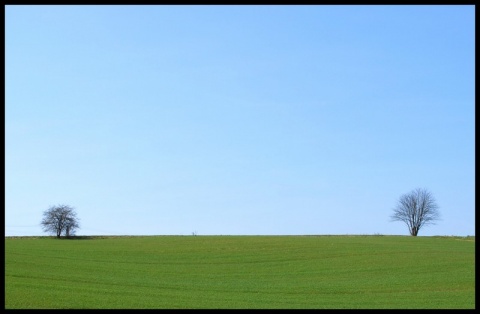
244 272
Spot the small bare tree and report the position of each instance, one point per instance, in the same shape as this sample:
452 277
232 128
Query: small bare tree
416 209
71 226
59 219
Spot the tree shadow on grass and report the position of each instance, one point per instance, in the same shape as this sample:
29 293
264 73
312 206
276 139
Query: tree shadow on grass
81 238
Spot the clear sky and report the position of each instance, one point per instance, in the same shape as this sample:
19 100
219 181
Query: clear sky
239 120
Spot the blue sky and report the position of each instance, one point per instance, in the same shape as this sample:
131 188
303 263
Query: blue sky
239 120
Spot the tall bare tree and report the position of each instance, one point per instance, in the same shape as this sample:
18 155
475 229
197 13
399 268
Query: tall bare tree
416 209
60 219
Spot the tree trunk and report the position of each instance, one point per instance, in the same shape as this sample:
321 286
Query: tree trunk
414 231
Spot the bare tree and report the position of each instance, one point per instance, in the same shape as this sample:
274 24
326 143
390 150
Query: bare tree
59 219
416 209
71 225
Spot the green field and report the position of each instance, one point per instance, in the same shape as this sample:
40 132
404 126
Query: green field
244 272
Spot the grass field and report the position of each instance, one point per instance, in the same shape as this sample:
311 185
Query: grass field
244 272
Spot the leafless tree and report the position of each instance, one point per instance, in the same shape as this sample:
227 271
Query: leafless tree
416 209
71 226
60 219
